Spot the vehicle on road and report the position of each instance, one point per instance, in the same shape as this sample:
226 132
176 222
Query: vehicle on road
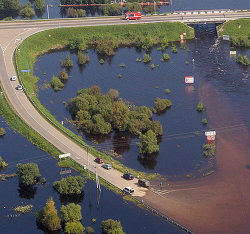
132 15
128 176
128 190
13 78
19 87
144 183
107 166
99 160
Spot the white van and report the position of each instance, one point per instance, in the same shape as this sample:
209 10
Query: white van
128 190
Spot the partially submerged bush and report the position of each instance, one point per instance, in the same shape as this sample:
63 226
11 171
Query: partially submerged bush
56 83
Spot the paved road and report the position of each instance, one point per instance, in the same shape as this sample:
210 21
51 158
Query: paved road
11 33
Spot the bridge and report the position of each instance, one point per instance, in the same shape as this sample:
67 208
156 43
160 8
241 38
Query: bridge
13 32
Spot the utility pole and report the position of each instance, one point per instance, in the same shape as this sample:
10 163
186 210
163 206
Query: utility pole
171 4
48 10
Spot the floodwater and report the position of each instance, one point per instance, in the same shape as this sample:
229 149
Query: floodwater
14 148
181 151
177 5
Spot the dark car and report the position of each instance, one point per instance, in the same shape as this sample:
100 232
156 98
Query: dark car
99 160
144 183
128 176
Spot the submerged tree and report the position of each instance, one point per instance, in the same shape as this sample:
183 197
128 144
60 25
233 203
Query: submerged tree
112 226
28 173
148 143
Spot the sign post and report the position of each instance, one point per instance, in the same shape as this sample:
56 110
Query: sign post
210 136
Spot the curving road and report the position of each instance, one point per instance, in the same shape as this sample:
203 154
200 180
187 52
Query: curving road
10 35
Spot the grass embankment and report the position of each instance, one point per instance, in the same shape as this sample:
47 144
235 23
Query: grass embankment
124 35
238 30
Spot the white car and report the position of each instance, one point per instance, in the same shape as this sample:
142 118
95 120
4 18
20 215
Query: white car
19 87
128 190
107 166
13 78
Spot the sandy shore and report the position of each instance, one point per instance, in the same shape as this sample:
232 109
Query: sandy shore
219 203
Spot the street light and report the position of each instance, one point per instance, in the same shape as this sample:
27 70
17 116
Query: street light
48 5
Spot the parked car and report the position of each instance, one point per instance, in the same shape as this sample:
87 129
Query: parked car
99 160
19 87
144 183
107 166
128 190
13 78
128 176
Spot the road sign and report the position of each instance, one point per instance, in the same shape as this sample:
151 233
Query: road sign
25 70
226 38
189 79
232 52
64 155
210 133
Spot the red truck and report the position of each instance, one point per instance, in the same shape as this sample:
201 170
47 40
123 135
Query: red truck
133 15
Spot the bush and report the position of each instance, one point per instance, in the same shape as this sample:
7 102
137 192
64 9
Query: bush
3 164
186 62
74 228
161 104
90 230
68 62
122 65
72 13
2 131
63 75
138 60
43 180
71 213
244 60
56 83
148 143
165 57
111 226
101 61
69 185
147 58
83 58
106 47
174 49
81 13
27 11
199 107
113 94
167 91
28 174
119 75
204 121
152 66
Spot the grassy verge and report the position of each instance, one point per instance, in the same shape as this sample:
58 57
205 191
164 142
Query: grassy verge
238 30
124 35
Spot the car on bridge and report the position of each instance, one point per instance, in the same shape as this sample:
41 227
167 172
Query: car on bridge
19 87
13 78
128 176
107 166
128 190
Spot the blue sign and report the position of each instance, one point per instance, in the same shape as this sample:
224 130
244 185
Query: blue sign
25 70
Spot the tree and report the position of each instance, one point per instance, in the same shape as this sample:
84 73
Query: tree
47 216
63 75
145 110
111 226
10 5
74 228
27 11
69 185
244 60
71 213
82 58
161 104
106 46
120 115
68 62
156 127
113 94
39 4
100 126
133 7
95 90
199 107
28 173
90 230
148 143
147 58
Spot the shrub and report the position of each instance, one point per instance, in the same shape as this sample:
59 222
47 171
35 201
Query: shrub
68 62
152 66
167 91
72 13
43 180
113 94
69 185
165 57
204 121
147 58
63 75
90 230
101 61
27 11
3 164
119 75
122 65
138 60
161 104
174 49
186 62
83 58
71 213
2 131
106 46
81 13
56 83
199 107
74 228
244 60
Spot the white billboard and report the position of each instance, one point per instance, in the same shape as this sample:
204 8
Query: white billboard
64 155
189 79
210 133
